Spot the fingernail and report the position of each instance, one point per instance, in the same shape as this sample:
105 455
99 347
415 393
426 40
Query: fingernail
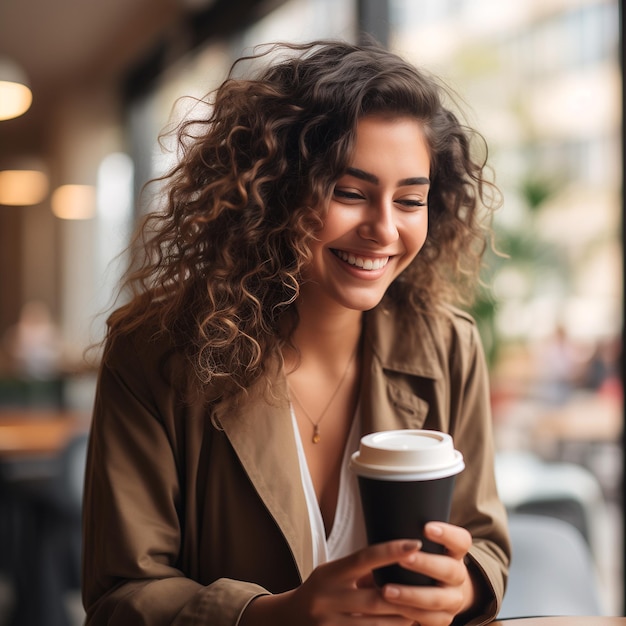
435 529
391 591
410 546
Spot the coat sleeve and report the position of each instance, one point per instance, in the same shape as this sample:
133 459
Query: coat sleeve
476 505
132 533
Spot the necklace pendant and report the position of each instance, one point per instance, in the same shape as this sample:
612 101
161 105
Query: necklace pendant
316 434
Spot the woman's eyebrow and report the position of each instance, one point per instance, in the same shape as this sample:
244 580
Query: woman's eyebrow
371 178
417 180
357 173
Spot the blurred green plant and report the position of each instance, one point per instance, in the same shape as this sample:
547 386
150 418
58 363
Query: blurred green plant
522 250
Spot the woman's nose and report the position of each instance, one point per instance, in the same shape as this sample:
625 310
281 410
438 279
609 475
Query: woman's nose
379 223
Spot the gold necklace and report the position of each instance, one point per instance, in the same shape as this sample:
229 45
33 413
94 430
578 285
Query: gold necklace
316 425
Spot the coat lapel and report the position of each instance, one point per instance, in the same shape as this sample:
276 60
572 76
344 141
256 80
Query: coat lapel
262 436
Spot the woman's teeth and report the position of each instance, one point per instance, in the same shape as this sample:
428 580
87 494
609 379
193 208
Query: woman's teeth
360 262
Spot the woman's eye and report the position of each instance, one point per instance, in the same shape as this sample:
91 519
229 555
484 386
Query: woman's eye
347 194
412 203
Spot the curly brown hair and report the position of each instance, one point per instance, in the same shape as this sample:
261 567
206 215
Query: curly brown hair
219 269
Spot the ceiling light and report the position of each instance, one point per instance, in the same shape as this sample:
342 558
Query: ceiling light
74 202
15 95
22 187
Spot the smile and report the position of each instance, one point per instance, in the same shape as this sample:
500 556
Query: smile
361 262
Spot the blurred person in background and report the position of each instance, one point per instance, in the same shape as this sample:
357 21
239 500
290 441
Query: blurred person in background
34 343
294 294
33 374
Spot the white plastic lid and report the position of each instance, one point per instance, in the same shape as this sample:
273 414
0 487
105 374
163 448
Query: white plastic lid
407 455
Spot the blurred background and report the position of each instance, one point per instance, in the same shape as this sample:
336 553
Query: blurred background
541 80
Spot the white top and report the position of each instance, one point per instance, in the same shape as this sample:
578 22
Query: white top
348 531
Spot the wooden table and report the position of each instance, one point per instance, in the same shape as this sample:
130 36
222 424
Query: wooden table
563 621
37 433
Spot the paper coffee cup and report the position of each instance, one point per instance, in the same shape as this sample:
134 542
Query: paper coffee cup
406 479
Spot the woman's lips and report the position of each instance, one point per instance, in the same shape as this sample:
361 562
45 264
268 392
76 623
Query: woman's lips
364 263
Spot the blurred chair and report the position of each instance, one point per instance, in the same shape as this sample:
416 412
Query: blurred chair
566 491
67 499
46 533
71 476
552 571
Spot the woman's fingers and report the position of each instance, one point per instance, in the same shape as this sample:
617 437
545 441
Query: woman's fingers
358 566
407 552
455 539
437 604
426 605
449 568
397 604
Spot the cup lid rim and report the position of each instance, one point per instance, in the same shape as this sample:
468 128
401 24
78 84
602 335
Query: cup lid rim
453 467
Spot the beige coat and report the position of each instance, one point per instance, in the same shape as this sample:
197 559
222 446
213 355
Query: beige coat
185 523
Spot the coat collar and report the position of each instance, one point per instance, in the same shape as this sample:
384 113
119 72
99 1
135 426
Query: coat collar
395 356
403 347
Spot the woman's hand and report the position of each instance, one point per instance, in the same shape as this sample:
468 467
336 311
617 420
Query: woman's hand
341 592
338 593
454 593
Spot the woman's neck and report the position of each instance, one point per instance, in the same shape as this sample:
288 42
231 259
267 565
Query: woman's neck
326 339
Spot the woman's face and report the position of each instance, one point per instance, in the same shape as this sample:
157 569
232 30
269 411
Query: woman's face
377 218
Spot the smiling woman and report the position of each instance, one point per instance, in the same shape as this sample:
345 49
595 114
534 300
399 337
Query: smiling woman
294 294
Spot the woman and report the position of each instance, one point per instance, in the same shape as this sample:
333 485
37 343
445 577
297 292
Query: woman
293 296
